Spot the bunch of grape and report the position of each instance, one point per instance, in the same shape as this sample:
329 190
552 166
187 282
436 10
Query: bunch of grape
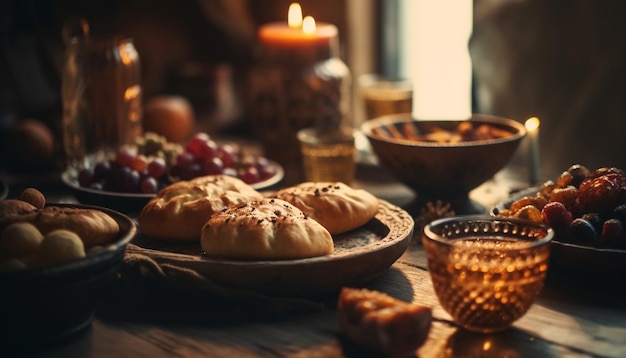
154 163
203 156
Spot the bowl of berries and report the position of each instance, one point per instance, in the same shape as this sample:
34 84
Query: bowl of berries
587 210
127 180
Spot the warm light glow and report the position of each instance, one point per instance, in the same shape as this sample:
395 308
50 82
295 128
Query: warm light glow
308 26
433 52
486 346
294 16
532 124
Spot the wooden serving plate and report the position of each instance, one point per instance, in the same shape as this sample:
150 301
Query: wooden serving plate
360 255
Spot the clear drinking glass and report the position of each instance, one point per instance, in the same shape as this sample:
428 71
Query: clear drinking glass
384 96
487 271
328 156
102 98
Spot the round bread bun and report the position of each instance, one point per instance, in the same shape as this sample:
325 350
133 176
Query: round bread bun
10 207
337 206
178 211
94 227
269 229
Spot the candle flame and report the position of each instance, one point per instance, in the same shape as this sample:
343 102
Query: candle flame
294 16
532 124
308 26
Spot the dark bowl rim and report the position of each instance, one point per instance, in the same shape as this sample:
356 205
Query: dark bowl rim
519 128
432 236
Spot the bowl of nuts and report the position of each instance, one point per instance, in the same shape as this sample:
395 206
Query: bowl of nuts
55 260
443 159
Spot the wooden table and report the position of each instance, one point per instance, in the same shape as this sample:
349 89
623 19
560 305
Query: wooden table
569 319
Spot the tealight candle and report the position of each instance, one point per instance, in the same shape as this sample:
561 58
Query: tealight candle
532 130
300 82
300 39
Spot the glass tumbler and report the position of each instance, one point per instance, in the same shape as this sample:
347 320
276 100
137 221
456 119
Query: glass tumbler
102 98
487 271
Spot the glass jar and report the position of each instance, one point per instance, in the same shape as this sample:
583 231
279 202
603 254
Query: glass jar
102 98
296 86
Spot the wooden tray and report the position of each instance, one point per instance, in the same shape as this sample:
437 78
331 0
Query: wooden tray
360 256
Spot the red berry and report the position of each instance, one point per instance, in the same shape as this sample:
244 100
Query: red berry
612 229
556 215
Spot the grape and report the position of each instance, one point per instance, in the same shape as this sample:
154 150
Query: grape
594 219
102 170
130 181
149 185
85 177
228 155
196 142
213 166
583 231
250 175
157 167
185 159
125 157
191 171
266 170
207 150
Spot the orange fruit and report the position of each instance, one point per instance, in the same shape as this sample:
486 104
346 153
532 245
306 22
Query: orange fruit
31 142
170 116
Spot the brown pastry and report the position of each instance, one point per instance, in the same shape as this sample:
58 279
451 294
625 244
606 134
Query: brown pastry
178 212
92 226
10 207
337 206
384 323
269 229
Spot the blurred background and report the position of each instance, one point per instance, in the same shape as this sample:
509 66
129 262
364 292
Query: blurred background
560 60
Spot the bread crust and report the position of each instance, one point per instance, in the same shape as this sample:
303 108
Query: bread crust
94 227
10 207
337 206
269 229
178 211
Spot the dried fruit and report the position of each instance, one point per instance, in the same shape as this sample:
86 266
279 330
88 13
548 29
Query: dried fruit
603 190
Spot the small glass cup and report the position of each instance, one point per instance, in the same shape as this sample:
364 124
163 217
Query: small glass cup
384 96
487 271
328 156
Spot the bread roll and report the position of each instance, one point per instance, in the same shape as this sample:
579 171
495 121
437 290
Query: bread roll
178 211
337 206
94 227
269 229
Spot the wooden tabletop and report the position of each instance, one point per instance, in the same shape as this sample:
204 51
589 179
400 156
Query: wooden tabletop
571 318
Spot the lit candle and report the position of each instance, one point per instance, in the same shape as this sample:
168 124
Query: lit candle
298 39
532 130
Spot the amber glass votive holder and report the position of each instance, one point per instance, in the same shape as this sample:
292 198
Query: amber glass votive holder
487 271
